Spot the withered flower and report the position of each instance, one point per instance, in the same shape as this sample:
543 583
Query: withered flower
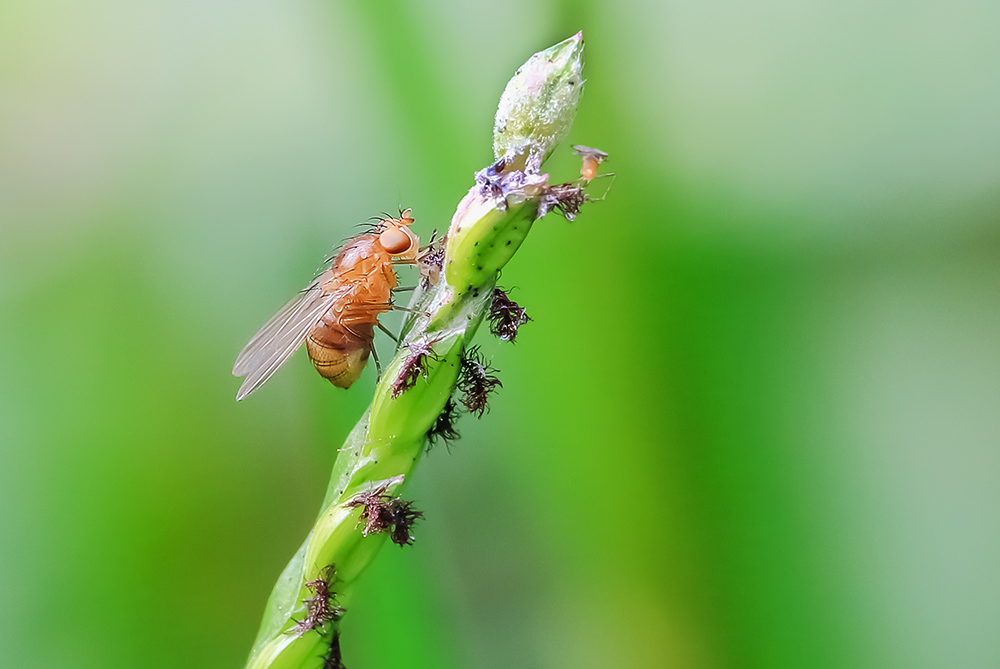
444 426
505 316
476 382
320 608
384 513
413 368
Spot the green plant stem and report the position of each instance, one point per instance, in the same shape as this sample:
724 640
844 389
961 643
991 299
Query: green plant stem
382 451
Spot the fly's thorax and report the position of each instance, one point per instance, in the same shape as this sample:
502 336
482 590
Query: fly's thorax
365 291
356 251
353 267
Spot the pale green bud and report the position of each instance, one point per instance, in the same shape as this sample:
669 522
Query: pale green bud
537 108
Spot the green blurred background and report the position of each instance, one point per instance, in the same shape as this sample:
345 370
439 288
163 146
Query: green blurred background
754 423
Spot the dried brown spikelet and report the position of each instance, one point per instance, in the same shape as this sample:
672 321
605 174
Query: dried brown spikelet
444 426
431 262
476 381
565 198
384 513
506 316
403 516
320 608
413 368
333 658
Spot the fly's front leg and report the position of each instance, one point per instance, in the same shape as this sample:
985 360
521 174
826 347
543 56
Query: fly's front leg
410 311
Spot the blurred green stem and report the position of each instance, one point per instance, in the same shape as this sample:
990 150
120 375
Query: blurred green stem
535 112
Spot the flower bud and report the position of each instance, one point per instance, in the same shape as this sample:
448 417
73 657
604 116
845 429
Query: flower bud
537 108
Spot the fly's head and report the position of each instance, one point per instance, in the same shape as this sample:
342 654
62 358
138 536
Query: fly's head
397 239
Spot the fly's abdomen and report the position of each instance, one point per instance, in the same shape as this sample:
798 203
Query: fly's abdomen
340 352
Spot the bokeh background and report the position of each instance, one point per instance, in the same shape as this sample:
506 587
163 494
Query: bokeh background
755 421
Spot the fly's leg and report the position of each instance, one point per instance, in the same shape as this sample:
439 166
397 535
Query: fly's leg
430 242
606 190
378 366
367 313
410 311
364 313
387 331
371 341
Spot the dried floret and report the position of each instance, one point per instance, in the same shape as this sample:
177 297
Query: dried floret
476 381
505 316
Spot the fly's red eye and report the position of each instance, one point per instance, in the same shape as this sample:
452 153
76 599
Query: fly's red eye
395 241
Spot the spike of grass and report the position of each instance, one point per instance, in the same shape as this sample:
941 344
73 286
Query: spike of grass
380 454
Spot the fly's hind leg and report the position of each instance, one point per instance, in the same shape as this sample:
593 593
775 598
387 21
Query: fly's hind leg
378 365
371 346
350 319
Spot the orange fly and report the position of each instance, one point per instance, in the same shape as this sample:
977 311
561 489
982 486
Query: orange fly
337 314
591 159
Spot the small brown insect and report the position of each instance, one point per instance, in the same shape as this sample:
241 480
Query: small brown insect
337 314
591 159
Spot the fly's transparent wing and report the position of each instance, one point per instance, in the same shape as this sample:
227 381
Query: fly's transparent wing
280 337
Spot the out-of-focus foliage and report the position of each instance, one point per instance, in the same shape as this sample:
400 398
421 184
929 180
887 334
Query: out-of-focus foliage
754 420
